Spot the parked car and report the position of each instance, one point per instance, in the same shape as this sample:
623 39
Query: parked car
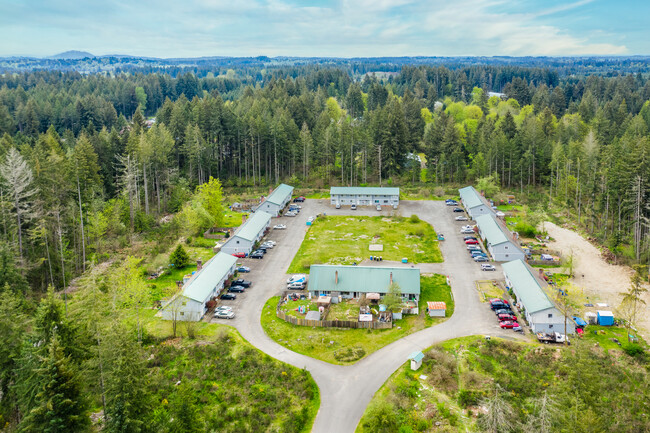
236 289
478 254
471 242
242 282
457 209
291 214
498 304
228 296
338 205
474 247
467 238
260 250
517 328
504 317
299 285
488 268
239 255
297 277
379 207
224 315
461 218
299 199
503 311
353 207
481 259
243 269
311 219
264 247
271 242
295 208
450 202
508 324
279 227
223 308
499 300
257 255
267 245
466 231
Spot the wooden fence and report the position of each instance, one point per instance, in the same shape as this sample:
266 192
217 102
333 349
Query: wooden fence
209 233
544 263
332 323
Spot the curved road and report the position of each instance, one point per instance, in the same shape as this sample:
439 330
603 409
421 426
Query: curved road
346 390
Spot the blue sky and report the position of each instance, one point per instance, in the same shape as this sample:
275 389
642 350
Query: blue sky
341 28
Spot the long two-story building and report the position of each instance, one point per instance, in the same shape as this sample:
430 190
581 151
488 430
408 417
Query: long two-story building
541 313
243 240
498 240
475 204
277 200
364 196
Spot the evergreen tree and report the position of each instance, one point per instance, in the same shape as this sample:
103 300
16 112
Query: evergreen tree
179 257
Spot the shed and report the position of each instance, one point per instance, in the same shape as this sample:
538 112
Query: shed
592 319
372 296
312 315
323 301
416 360
605 318
436 309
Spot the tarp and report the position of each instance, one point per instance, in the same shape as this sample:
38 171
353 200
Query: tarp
324 300
373 296
579 321
365 317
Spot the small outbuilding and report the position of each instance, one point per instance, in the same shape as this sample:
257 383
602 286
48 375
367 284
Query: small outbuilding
605 318
416 360
436 309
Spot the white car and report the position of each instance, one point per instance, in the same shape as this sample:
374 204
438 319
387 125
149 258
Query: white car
268 245
279 227
270 242
468 227
462 218
486 267
290 214
222 308
338 205
379 207
224 315
467 231
297 278
296 285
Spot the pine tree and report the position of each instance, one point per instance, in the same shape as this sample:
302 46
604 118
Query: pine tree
60 405
179 257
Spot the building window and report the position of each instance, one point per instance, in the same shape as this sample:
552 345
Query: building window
385 201
550 326
550 315
237 241
506 248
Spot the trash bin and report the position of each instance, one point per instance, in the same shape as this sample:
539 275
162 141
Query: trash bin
371 258
405 260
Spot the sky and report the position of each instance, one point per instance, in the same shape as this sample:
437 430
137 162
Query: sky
331 28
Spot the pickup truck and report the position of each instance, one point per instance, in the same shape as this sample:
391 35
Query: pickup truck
554 337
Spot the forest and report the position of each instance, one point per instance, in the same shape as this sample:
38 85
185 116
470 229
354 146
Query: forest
99 166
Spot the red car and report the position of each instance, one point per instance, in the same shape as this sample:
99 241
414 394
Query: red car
507 317
240 255
471 242
508 324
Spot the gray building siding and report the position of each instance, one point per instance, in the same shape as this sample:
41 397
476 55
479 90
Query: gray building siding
237 245
271 208
365 199
477 211
506 252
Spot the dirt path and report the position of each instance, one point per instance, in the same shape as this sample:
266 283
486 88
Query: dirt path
601 281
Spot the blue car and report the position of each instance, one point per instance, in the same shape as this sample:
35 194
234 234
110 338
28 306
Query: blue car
244 269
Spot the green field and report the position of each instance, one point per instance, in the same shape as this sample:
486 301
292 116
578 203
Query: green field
328 344
345 240
585 389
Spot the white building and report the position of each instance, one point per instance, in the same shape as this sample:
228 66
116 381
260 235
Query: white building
539 310
243 240
475 204
498 239
277 200
364 196
205 284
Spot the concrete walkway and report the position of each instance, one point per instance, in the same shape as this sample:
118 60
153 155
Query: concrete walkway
346 390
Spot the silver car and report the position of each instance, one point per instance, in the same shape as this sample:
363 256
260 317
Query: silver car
224 315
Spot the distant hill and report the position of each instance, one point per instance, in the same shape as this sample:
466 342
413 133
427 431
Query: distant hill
73 54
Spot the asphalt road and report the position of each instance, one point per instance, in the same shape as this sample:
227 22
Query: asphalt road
347 390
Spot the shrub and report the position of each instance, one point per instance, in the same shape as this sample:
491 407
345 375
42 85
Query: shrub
415 219
634 349
525 230
349 354
438 191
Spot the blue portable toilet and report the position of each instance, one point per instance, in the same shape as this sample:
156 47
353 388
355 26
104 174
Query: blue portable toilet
605 318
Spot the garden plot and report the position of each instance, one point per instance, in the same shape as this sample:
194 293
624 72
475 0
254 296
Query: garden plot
345 240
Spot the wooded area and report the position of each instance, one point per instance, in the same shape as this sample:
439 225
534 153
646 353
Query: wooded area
87 174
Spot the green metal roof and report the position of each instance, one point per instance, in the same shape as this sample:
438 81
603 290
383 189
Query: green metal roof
202 284
363 190
416 356
491 229
528 289
255 224
279 194
471 198
364 279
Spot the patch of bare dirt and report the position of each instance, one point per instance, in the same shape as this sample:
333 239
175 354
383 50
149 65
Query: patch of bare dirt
601 280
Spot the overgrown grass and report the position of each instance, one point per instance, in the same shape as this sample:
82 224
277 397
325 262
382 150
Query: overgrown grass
328 343
583 387
233 219
345 240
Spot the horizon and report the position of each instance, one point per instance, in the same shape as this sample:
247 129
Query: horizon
325 28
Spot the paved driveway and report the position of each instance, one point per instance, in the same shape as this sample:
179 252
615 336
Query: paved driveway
347 390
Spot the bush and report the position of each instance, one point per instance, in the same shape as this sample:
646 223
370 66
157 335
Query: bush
415 219
349 354
179 258
634 349
525 230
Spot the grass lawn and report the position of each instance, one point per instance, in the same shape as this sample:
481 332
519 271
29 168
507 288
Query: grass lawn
233 219
603 335
487 289
345 240
328 344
